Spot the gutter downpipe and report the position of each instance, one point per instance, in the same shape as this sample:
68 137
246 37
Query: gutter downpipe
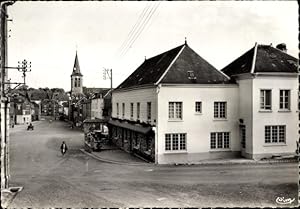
157 123
252 89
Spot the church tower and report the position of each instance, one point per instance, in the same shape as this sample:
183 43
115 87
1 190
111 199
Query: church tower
76 78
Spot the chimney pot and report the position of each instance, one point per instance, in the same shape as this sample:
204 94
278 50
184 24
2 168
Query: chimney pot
282 47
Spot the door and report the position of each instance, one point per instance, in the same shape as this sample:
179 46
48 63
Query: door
243 136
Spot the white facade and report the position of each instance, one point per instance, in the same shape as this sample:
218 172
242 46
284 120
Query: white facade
287 118
23 119
242 102
97 105
256 119
141 96
197 126
198 112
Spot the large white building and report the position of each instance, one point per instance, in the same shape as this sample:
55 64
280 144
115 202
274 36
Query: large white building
177 108
268 89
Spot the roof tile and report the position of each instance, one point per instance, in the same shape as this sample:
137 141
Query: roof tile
181 62
268 59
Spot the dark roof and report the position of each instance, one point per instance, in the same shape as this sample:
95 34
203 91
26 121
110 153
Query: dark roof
178 61
76 67
267 59
60 96
87 90
151 70
202 71
101 94
37 95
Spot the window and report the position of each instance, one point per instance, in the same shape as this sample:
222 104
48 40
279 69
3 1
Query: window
168 142
138 110
213 140
175 110
118 109
191 75
75 82
198 107
175 141
131 110
219 140
275 134
123 110
265 99
219 109
78 82
284 100
149 110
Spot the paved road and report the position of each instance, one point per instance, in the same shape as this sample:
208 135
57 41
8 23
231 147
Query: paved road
77 180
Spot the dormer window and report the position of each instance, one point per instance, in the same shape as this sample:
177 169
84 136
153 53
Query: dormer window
191 75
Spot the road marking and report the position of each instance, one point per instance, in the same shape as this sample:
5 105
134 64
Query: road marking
161 199
149 170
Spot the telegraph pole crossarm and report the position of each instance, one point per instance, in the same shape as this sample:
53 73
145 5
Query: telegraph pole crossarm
24 68
108 73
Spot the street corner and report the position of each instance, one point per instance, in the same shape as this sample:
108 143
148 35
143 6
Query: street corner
116 157
7 195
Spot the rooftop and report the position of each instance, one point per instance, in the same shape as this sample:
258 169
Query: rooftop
262 58
180 65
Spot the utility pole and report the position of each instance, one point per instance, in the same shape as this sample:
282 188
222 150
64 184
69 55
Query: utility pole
4 100
24 68
107 74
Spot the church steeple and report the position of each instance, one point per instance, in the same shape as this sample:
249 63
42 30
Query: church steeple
76 68
76 78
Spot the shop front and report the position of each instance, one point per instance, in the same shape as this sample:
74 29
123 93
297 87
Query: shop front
132 137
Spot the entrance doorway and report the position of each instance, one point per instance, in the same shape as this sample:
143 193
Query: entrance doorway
243 136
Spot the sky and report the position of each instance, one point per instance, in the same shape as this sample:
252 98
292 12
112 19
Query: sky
103 33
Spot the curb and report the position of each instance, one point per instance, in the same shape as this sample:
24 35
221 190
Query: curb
255 162
112 161
193 164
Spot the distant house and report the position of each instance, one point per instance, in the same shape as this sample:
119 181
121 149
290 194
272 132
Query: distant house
47 107
177 108
36 111
59 98
21 109
101 105
86 109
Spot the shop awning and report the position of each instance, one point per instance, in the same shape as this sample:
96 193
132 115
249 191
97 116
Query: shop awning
133 127
96 120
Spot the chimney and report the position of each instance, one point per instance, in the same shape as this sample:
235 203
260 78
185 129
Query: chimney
282 47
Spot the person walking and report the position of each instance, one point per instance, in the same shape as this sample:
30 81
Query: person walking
63 148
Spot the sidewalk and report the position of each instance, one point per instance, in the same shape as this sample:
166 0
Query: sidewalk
244 161
112 154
